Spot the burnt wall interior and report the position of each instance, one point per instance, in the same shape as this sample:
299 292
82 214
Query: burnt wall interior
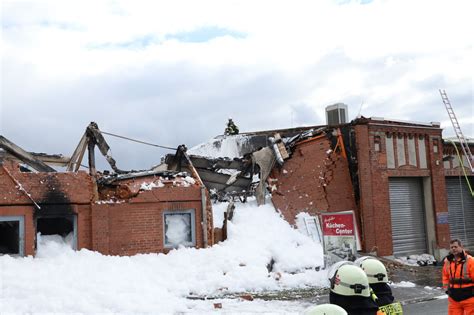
9 237
56 215
51 225
349 137
54 202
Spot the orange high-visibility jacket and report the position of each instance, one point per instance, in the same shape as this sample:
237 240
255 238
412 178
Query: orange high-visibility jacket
458 274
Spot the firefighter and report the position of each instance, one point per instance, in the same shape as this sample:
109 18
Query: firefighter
231 128
325 309
378 279
350 290
458 273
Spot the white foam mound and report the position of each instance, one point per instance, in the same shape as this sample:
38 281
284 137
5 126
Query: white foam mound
222 146
61 280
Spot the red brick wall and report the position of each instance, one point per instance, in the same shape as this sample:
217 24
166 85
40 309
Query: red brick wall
440 199
367 184
134 227
129 227
374 183
312 180
27 213
49 188
84 226
50 191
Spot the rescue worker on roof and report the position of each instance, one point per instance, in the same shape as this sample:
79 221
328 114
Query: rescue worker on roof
378 279
458 274
231 128
350 290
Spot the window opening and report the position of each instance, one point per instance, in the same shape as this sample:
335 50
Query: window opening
58 225
11 235
179 228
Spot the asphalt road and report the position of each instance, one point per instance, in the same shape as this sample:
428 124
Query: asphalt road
432 307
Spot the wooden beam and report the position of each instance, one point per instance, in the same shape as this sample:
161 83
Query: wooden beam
24 156
91 147
50 159
77 155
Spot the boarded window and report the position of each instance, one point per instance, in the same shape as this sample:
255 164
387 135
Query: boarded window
390 151
401 150
377 143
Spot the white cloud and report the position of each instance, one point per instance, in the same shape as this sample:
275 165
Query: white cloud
120 63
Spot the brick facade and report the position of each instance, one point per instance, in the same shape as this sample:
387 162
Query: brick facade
111 225
123 218
374 170
128 227
54 193
315 179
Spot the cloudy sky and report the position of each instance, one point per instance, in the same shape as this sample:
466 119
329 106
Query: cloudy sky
172 72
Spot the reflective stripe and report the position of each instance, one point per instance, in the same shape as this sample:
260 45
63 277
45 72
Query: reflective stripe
466 279
460 281
373 295
378 276
392 309
357 287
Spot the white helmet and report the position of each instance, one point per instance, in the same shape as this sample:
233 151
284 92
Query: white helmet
359 260
350 280
332 270
374 269
325 309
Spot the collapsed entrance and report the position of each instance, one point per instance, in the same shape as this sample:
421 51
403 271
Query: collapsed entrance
11 235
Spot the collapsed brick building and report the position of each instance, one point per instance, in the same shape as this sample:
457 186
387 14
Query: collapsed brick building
401 179
121 214
404 183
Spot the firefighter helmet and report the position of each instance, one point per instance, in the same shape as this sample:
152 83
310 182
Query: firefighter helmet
332 270
374 269
325 309
350 280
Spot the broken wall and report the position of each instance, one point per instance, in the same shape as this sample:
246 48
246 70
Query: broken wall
137 224
314 179
127 219
56 195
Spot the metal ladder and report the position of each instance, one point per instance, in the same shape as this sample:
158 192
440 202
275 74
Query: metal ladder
457 130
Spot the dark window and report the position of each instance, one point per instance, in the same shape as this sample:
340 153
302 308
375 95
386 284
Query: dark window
11 235
55 225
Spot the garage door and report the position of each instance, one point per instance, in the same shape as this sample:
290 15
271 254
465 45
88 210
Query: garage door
461 210
408 216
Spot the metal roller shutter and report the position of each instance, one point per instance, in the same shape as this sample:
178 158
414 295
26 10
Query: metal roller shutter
408 216
461 210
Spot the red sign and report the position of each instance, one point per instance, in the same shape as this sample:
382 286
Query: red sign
338 224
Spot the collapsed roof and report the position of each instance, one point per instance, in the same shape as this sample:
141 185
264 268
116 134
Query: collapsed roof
92 137
238 165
